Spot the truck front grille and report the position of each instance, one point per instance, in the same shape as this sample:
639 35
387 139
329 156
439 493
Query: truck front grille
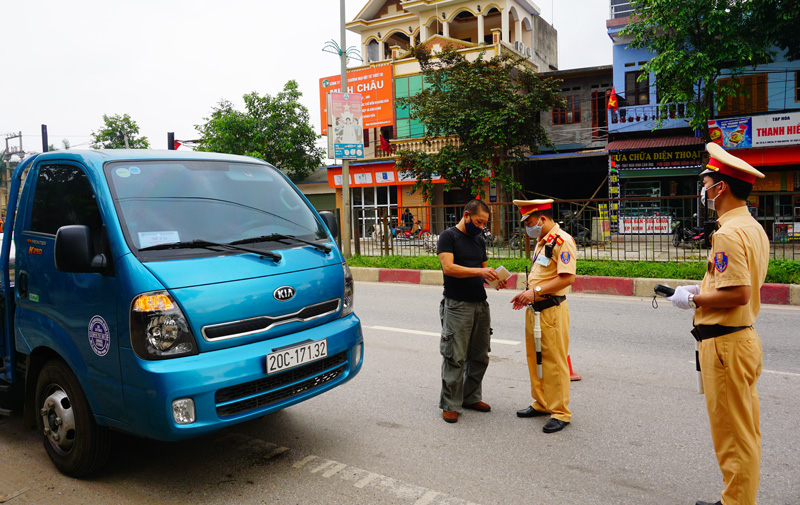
264 392
264 323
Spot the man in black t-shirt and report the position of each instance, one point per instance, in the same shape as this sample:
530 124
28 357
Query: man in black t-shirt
464 312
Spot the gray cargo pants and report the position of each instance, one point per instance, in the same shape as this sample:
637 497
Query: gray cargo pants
464 346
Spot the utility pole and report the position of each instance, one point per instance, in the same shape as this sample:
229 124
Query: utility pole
345 162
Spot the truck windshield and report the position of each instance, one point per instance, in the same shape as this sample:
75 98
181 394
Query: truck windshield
182 201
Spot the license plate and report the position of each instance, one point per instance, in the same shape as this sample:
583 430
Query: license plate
295 356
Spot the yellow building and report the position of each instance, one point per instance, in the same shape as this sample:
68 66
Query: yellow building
387 29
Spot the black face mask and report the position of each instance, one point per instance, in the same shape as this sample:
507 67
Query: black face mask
472 230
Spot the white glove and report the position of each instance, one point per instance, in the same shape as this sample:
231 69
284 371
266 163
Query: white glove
680 298
694 289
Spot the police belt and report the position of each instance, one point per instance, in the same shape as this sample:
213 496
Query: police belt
705 331
550 301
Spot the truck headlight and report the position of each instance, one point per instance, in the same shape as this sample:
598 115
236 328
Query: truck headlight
159 329
349 289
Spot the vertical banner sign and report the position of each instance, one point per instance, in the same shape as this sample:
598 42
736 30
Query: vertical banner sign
345 126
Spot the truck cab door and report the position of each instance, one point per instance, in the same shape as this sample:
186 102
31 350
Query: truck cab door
75 314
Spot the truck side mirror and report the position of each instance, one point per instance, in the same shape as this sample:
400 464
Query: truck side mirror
74 252
330 222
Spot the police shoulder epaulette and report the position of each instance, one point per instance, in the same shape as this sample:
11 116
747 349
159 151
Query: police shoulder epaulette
559 240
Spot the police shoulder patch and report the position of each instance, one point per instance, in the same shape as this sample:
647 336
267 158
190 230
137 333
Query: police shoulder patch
565 257
720 261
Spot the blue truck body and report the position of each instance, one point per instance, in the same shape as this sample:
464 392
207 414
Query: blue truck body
185 292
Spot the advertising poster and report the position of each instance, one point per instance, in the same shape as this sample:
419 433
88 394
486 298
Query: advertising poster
734 133
375 87
345 126
770 130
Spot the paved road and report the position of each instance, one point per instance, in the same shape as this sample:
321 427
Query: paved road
639 433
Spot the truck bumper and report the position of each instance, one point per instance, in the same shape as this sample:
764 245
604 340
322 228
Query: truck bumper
230 386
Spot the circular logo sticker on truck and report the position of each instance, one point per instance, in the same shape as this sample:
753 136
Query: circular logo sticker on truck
99 336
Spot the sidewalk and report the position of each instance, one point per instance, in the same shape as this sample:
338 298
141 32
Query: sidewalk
778 294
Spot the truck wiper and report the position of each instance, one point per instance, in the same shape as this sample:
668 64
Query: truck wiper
205 244
276 237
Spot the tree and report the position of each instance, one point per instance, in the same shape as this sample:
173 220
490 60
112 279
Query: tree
275 129
780 18
120 132
694 42
491 105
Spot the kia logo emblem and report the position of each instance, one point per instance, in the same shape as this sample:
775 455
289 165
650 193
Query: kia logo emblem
283 293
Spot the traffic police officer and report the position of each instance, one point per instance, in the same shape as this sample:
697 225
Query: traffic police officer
726 305
552 274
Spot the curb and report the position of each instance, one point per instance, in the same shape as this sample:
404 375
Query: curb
775 294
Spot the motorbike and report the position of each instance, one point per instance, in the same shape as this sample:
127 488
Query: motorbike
581 234
406 233
692 236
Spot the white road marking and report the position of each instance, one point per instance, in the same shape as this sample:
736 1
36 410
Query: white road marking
433 334
323 466
427 498
366 480
776 372
275 452
303 462
781 373
333 471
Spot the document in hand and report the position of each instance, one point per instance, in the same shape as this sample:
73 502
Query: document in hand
502 275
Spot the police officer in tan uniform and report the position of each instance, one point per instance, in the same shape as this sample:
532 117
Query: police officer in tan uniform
552 274
726 305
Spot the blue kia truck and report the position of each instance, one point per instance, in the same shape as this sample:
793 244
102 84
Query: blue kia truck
166 294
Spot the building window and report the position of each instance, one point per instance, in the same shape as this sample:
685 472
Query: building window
637 92
373 51
750 98
797 86
572 114
406 87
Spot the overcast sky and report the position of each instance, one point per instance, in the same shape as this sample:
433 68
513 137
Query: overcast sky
166 63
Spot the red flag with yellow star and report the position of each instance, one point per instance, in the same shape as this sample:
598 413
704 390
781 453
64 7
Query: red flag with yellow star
612 100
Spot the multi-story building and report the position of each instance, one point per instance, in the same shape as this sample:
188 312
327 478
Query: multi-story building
387 29
760 125
577 164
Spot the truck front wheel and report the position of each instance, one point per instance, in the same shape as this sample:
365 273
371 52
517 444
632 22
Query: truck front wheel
72 438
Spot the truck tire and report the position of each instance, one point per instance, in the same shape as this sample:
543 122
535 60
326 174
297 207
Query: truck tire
73 440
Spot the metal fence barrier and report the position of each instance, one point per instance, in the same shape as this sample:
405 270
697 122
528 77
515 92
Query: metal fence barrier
634 229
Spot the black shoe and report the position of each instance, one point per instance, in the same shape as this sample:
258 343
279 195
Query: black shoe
530 412
708 503
554 425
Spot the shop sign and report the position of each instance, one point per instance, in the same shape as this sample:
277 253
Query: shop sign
756 131
653 158
375 86
655 225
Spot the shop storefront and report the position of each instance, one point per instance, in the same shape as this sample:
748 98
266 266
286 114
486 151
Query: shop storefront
647 177
770 143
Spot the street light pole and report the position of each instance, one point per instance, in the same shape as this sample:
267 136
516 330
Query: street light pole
345 162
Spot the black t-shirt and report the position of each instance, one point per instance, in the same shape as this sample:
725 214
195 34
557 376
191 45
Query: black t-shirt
468 252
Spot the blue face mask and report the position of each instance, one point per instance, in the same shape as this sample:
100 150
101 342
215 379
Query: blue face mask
472 230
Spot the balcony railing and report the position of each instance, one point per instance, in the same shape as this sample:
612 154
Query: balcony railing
636 116
560 136
620 9
433 147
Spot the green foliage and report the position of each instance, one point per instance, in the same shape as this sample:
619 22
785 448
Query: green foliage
780 271
492 105
117 130
780 18
694 41
275 129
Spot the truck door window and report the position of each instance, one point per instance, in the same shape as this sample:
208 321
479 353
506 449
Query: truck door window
64 196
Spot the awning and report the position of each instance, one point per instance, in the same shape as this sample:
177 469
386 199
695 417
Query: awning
653 143
789 155
562 156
